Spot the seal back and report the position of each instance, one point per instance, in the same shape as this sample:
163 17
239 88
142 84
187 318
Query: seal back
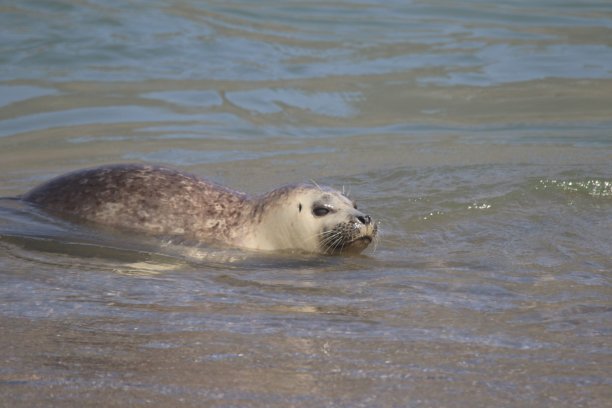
151 199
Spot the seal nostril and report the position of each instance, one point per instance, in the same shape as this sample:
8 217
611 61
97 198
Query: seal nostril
364 219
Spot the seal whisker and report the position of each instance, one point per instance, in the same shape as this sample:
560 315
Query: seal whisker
331 240
316 185
375 241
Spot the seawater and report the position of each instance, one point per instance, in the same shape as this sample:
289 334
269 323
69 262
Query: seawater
479 134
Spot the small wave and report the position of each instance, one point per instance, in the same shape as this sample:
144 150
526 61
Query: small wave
595 187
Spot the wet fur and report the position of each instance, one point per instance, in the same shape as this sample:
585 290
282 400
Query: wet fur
165 202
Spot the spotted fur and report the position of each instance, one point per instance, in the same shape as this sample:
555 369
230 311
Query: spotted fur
165 202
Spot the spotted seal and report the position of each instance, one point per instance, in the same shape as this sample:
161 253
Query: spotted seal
169 203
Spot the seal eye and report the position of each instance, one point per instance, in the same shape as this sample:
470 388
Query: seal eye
320 211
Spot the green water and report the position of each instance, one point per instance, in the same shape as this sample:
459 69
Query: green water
479 134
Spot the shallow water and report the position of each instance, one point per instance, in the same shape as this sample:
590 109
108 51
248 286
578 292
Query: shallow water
478 134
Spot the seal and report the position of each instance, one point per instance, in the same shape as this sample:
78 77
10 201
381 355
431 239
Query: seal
168 203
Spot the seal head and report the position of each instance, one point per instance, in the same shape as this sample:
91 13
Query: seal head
312 218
